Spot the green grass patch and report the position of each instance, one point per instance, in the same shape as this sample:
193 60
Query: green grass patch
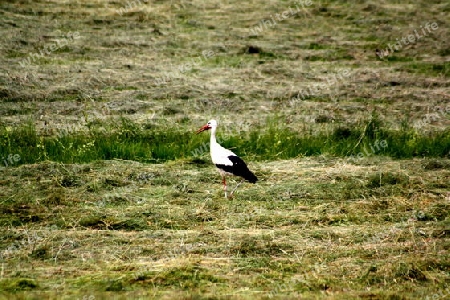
399 58
431 69
131 141
17 285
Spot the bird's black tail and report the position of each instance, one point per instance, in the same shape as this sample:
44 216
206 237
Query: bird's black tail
239 168
250 177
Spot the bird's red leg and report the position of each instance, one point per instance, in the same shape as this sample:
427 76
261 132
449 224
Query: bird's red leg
224 186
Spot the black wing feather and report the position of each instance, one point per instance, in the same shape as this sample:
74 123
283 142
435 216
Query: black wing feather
239 168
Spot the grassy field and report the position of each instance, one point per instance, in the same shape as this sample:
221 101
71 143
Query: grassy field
107 193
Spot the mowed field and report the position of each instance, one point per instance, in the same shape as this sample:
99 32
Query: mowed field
107 193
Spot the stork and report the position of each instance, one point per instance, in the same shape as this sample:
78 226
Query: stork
226 161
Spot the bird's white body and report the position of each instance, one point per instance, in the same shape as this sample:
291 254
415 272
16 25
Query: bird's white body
219 154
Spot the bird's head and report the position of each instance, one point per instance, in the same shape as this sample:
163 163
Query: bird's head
207 126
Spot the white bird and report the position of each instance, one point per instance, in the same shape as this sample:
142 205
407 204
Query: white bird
225 160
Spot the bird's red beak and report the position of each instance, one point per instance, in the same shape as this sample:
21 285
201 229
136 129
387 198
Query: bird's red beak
206 127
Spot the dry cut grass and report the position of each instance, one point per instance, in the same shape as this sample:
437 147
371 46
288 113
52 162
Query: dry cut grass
315 227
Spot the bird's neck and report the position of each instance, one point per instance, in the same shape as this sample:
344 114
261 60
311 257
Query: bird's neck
213 137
